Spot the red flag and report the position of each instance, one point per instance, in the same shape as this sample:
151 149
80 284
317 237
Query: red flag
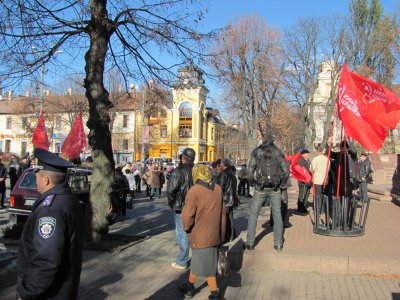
383 106
352 110
39 138
296 171
76 139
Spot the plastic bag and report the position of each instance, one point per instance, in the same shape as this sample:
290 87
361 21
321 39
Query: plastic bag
224 268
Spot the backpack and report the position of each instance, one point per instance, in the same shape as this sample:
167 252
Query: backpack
268 168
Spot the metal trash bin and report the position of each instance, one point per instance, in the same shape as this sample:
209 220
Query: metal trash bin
340 216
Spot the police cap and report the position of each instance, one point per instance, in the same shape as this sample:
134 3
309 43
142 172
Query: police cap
50 161
189 152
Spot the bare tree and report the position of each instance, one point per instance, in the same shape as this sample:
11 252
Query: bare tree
247 61
127 34
301 70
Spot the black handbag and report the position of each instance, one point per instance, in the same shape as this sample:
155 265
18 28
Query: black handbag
223 266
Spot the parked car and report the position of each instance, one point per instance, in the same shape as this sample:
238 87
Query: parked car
25 194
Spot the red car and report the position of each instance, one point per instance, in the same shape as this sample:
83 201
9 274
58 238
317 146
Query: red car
24 194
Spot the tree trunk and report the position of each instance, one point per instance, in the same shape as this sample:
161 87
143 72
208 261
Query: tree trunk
99 119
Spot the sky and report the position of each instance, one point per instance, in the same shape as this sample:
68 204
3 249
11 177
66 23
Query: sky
279 13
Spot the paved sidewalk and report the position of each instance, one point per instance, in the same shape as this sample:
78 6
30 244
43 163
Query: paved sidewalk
143 271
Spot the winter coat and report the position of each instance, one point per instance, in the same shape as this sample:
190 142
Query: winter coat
365 171
204 216
3 174
178 185
228 184
154 179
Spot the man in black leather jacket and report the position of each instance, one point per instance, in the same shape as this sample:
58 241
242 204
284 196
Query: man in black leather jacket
178 185
15 169
228 183
363 176
256 168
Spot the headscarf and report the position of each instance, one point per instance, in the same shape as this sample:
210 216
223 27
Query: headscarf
201 172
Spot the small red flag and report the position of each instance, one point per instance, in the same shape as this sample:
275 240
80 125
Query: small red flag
296 171
76 139
39 138
352 110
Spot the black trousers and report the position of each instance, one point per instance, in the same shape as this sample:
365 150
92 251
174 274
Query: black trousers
230 233
243 185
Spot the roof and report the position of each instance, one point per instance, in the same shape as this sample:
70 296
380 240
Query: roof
214 117
64 103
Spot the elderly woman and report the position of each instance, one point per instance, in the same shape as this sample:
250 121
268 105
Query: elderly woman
203 218
154 182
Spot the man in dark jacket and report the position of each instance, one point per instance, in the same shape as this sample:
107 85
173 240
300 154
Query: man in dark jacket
364 175
50 256
304 187
267 172
3 176
178 185
228 183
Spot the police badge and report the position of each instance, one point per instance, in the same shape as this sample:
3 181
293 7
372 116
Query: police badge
47 225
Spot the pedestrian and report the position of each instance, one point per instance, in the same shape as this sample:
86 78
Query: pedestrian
120 189
50 255
128 166
15 169
216 171
178 185
138 180
364 176
243 183
3 189
304 187
154 182
131 180
203 218
267 171
228 184
162 181
320 166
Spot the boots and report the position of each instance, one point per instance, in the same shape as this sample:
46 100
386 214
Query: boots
215 295
188 290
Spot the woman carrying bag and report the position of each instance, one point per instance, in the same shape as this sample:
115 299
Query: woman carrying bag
204 219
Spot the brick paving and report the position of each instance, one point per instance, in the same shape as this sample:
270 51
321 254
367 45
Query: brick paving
143 271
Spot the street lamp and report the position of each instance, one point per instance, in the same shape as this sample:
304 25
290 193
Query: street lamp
36 54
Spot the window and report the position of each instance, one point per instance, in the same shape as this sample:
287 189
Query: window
185 120
24 123
125 121
163 131
212 133
9 123
24 147
58 122
125 144
7 146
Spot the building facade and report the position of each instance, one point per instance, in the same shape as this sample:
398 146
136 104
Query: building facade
185 121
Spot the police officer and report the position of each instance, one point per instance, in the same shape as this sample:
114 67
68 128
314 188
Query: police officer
50 256
267 170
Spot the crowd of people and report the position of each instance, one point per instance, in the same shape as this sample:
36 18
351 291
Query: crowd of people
202 200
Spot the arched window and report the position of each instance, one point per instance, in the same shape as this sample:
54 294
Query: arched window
185 120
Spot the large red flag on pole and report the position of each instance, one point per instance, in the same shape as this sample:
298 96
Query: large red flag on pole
76 139
356 112
39 138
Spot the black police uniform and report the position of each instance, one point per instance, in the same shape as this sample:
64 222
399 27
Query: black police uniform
50 257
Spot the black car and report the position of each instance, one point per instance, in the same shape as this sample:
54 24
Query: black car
25 194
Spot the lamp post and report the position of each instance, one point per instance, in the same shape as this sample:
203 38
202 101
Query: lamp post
143 95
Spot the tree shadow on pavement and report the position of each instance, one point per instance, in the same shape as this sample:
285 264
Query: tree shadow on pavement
266 230
94 289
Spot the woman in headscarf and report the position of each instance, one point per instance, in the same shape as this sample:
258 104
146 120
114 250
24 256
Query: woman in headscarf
203 218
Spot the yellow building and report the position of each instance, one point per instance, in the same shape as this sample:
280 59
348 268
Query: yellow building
187 122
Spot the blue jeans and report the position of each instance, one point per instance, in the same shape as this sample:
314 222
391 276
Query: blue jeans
182 240
255 206
155 192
